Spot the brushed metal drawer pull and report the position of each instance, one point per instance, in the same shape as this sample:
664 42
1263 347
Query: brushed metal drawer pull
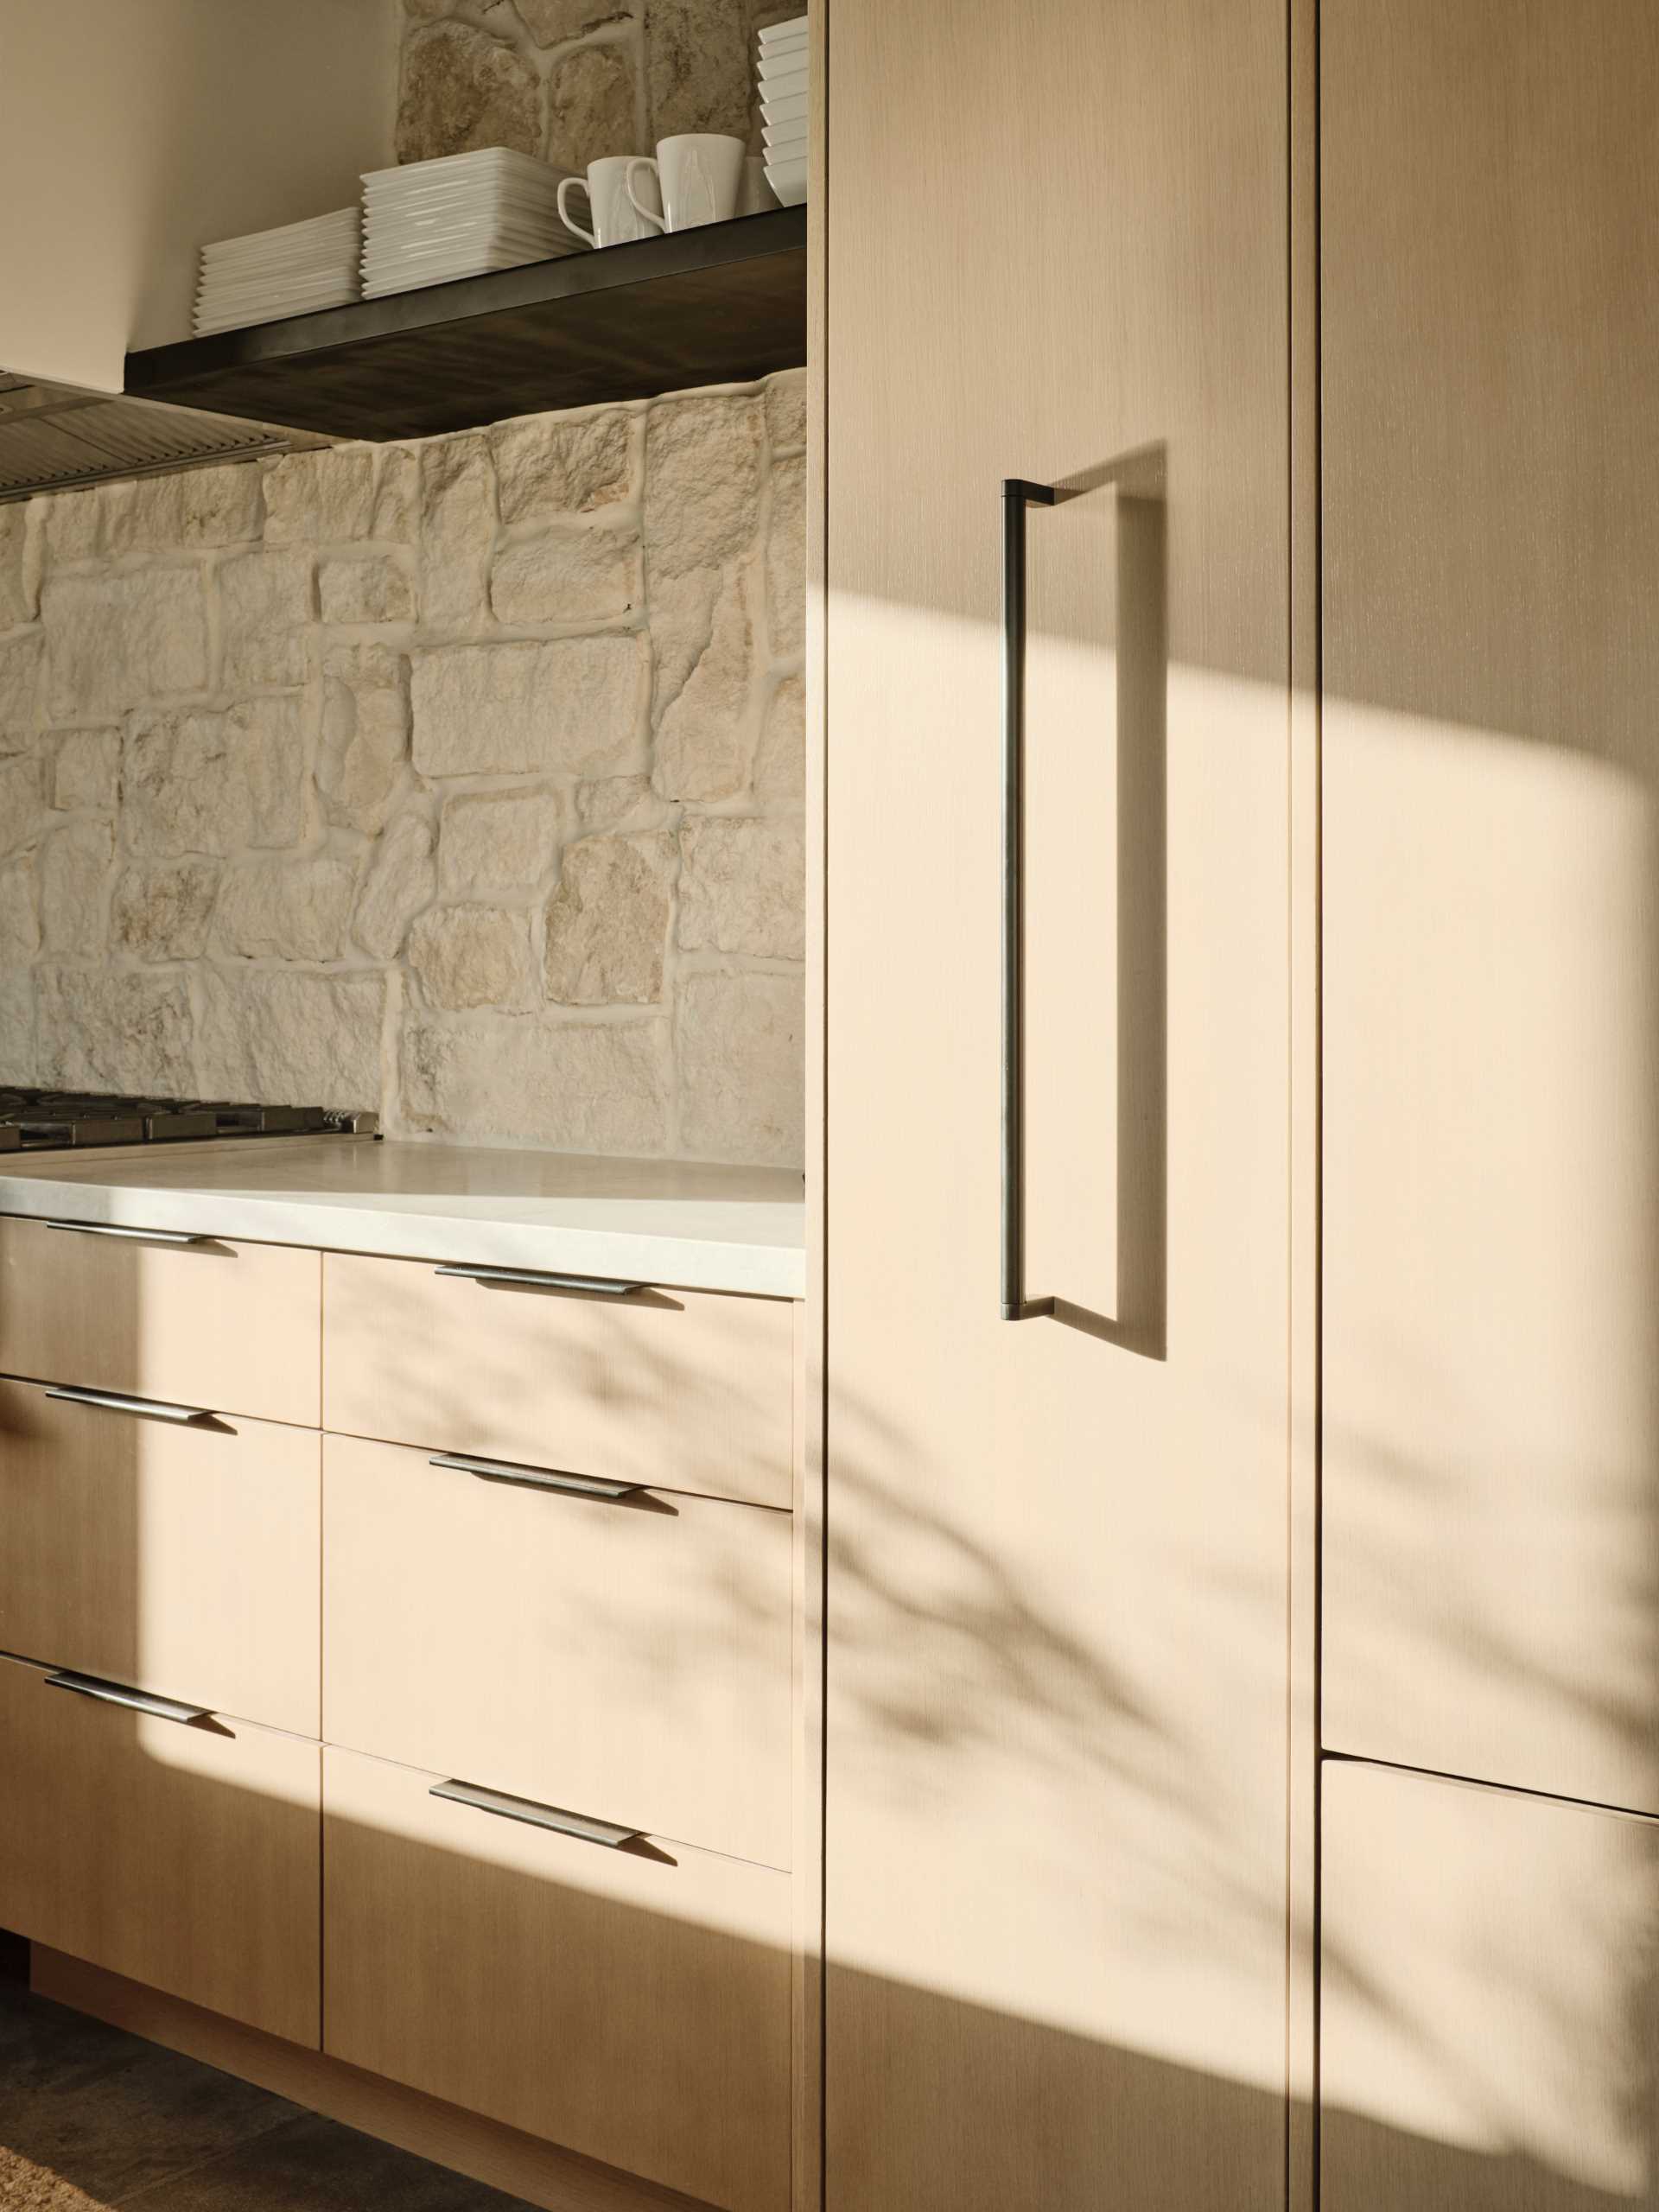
538 1280
505 1471
159 1708
115 1403
535 1815
135 1236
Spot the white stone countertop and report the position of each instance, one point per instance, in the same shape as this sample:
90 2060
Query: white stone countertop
672 1221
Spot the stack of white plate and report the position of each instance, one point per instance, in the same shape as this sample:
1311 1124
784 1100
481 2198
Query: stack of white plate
782 107
432 221
270 274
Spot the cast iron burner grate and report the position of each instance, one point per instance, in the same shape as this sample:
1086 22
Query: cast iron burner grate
58 1121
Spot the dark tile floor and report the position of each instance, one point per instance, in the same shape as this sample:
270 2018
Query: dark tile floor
92 2119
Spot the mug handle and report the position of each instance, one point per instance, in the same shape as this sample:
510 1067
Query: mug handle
644 161
565 183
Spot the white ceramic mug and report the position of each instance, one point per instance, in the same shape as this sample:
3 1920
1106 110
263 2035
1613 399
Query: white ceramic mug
698 173
615 215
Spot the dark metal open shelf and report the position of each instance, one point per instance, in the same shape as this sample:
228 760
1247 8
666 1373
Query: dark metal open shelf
723 303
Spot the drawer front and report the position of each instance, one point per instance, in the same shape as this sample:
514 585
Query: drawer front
1488 2033
633 1654
236 1328
179 1558
686 1390
186 1857
635 2008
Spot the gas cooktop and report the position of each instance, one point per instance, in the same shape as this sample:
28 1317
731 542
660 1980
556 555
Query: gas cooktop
57 1120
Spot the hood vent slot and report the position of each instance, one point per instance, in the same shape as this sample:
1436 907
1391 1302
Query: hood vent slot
53 437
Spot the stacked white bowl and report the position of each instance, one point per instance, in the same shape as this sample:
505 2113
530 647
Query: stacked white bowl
430 222
782 70
294 269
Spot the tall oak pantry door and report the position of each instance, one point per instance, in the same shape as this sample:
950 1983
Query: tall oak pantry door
1056 1769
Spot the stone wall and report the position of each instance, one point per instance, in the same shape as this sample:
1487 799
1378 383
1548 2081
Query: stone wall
462 781
572 79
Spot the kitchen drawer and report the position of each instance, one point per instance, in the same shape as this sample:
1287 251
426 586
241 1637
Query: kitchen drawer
179 1557
1489 2036
185 1857
684 1389
634 2007
233 1327
632 1654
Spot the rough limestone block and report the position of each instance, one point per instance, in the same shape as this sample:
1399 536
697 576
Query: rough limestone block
23 804
786 559
742 886
460 90
291 1037
472 955
457 528
590 105
20 680
325 497
619 803
786 401
20 924
287 909
550 465
742 1084
86 771
587 575
608 922
72 526
362 763
550 22
574 704
203 506
697 67
75 886
264 602
495 842
18 1062
206 783
705 734
115 1029
113 641
365 588
269 735
702 483
532 1078
18 597
161 909
403 879
780 757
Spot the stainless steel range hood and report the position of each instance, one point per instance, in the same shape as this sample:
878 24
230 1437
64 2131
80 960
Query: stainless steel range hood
52 438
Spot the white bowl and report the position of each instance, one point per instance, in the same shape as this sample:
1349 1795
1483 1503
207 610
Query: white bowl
780 84
777 52
788 180
788 138
795 27
774 112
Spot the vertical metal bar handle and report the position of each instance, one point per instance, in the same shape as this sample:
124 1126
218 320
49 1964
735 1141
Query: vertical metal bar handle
1017 495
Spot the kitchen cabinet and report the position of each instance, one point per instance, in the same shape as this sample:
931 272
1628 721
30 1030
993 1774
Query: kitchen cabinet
177 1557
186 1855
1487 2019
1056 1914
634 2006
1489 218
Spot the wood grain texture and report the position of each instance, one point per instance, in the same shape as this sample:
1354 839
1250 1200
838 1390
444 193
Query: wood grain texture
1492 957
1057 1602
1488 2040
629 1660
182 1560
540 2173
183 1857
234 1328
683 1389
636 2009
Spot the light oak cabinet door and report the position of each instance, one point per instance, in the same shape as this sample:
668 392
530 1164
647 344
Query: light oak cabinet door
1057 1690
633 2007
1488 2018
684 1389
633 1654
181 1559
1491 441
189 1857
233 1328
